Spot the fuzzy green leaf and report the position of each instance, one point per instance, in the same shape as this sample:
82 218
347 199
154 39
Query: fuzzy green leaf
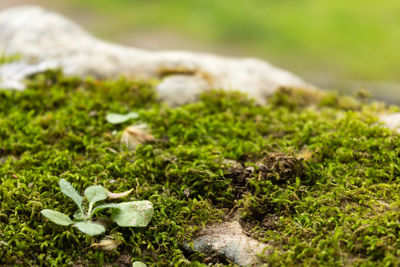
56 217
90 228
133 214
116 118
94 194
104 206
70 191
79 216
138 264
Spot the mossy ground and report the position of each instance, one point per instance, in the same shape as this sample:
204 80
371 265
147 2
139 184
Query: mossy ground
315 177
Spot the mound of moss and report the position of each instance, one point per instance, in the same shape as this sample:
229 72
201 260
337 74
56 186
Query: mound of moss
315 177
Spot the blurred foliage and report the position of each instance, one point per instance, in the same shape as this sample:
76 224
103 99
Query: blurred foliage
353 39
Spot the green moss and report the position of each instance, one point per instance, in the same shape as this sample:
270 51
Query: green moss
317 179
8 58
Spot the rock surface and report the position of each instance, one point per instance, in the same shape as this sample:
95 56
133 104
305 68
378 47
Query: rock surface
47 40
227 240
391 121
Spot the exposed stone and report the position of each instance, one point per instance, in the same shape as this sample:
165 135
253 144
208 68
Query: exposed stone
12 75
47 39
227 240
391 121
187 87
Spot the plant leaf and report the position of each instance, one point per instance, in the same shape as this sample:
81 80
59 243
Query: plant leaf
138 264
118 195
116 118
133 214
70 191
79 216
95 193
90 228
56 217
104 206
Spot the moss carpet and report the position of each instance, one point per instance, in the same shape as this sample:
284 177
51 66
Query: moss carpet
315 177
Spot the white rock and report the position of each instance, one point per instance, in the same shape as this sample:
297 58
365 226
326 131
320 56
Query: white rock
229 241
13 74
187 87
46 38
391 121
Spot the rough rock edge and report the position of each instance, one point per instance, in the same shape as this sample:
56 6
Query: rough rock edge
227 240
44 38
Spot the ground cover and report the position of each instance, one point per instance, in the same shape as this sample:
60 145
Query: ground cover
312 175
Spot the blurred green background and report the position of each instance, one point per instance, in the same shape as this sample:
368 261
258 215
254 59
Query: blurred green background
339 44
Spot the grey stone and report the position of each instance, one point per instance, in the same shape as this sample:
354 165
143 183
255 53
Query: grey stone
228 240
44 38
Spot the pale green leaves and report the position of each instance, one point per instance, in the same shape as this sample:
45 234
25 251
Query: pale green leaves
90 228
138 264
57 217
104 206
94 194
133 214
128 214
86 227
116 118
70 191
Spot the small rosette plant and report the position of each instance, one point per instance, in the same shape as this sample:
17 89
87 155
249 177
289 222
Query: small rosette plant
126 214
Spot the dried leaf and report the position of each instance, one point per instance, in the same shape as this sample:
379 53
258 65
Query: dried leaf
106 244
118 195
135 135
